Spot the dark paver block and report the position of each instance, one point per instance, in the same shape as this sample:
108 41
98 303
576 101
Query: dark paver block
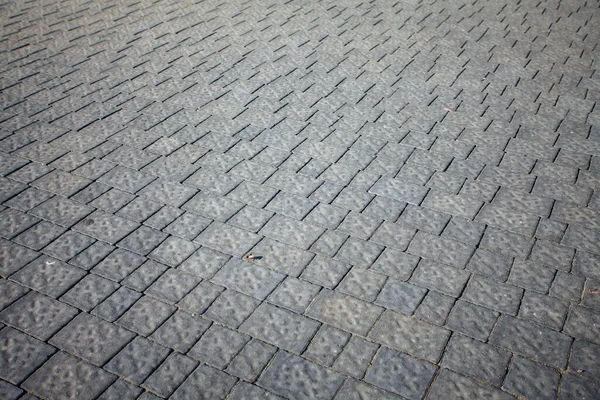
21 355
137 360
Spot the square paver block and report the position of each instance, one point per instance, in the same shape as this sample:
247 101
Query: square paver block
181 331
205 262
449 384
91 339
49 276
106 227
146 315
497 296
410 335
205 383
531 380
38 315
281 257
121 390
66 377
89 292
248 278
345 312
440 277
218 346
280 327
20 355
228 239
294 377
137 360
253 358
173 251
294 294
231 308
531 340
472 320
173 285
170 374
401 374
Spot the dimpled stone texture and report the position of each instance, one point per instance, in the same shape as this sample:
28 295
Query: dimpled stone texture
344 312
497 296
89 292
441 278
218 346
146 315
137 360
106 227
173 251
10 292
248 278
472 320
410 335
170 374
66 377
253 358
121 390
91 339
449 384
173 285
38 315
280 327
442 250
401 374
181 331
231 308
585 359
357 390
539 343
294 294
356 357
21 355
246 391
228 239
10 392
327 345
205 383
532 380
14 257
583 323
293 376
115 305
400 296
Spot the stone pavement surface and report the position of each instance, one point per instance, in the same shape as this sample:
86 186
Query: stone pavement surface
418 183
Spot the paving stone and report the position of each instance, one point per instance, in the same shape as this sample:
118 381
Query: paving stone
253 358
213 207
61 183
49 276
39 235
439 277
544 310
503 242
583 323
384 208
326 216
450 385
355 357
393 236
573 387
424 219
89 292
442 250
144 276
327 345
553 255
435 308
205 383
143 240
201 297
472 320
21 355
359 252
530 275
292 376
10 292
497 296
400 296
492 265
353 389
170 374
118 265
114 306
344 312
280 327
126 179
91 256
398 190
531 340
181 331
66 377
68 245
173 251
459 205
532 380
137 360
347 198
121 390
292 232
401 374
248 278
584 359
231 308
228 239
204 263
10 392
567 286
477 359
146 315
396 264
91 339
173 285
163 217
587 265
105 227
218 346
251 219
329 243
61 211
14 222
294 294
247 391
139 209
253 194
362 284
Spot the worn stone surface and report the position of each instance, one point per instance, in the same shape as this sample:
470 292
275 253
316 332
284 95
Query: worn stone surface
220 199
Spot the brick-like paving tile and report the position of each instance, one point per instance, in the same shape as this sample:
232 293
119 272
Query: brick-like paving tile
299 199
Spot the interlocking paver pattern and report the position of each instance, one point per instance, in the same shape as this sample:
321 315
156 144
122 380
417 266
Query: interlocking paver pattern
270 199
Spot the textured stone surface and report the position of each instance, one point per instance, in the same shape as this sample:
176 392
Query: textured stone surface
21 355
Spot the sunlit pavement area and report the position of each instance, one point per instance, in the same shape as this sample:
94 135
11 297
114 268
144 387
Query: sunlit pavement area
304 199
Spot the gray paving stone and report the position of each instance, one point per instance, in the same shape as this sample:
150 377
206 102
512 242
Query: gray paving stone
587 265
118 265
163 217
91 256
503 242
439 277
362 284
143 240
329 243
435 308
218 346
213 207
61 183
49 276
294 294
61 211
14 257
228 239
248 278
450 385
407 334
66 377
89 292
396 264
245 390
115 305
126 179
355 357
144 276
567 286
583 323
173 251
293 376
472 320
544 310
393 236
91 339
401 374
10 292
137 360
173 285
14 222
181 331
68 245
250 362
231 308
359 252
497 296
442 250
573 387
533 341
205 383
398 190
251 219
327 345
204 263
530 275
344 312
121 390
492 265
584 359
10 392
146 315
39 235
21 355
400 296
280 327
532 380
170 374
106 227
292 232
201 297
459 205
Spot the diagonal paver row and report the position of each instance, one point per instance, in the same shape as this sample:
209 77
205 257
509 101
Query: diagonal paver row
304 199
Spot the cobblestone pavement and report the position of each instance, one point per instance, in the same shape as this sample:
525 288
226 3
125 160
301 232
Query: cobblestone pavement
258 199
